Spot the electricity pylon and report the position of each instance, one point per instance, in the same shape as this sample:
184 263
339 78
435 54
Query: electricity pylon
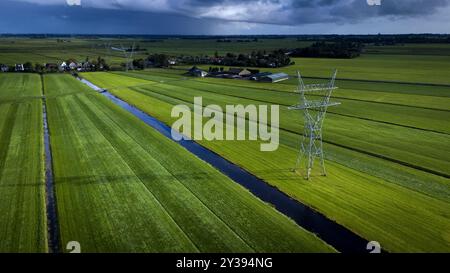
314 102
128 54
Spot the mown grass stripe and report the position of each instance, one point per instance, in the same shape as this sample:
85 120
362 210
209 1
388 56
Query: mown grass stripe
329 111
228 199
405 123
334 96
288 130
400 218
109 131
6 133
379 81
261 89
417 167
101 194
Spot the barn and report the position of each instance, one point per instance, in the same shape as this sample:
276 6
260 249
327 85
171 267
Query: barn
277 77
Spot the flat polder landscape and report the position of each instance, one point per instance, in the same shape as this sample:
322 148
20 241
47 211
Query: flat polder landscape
117 184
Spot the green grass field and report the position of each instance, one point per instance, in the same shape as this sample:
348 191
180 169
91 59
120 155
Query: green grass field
361 119
373 67
418 63
402 207
22 188
15 50
123 187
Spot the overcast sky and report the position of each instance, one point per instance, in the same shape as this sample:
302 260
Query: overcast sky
203 17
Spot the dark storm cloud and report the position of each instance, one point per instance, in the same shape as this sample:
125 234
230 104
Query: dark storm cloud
209 16
65 19
287 12
359 10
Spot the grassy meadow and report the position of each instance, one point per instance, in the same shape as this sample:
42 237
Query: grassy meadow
23 226
123 187
381 171
133 190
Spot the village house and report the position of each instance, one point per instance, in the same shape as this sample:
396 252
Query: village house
73 65
63 67
239 72
19 68
4 68
195 71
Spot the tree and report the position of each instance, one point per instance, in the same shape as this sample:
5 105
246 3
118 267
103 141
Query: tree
159 60
341 49
139 63
101 64
28 67
39 68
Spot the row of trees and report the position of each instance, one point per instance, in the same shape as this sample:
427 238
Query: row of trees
237 40
277 58
155 60
342 49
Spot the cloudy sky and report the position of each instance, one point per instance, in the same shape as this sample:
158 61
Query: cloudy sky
203 17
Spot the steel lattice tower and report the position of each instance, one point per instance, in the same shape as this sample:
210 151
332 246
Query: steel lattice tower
128 54
314 102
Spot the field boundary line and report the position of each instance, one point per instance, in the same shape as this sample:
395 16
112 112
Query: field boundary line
337 97
85 107
261 89
287 92
172 175
6 134
331 112
438 173
340 114
344 79
380 81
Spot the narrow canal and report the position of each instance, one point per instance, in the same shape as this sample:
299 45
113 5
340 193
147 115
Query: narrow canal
52 215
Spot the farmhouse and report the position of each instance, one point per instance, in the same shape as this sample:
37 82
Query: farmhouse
85 66
63 66
240 72
257 76
195 71
73 66
19 68
277 77
4 68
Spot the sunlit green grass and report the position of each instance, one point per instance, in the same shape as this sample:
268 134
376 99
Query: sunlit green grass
123 187
406 216
22 190
366 126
